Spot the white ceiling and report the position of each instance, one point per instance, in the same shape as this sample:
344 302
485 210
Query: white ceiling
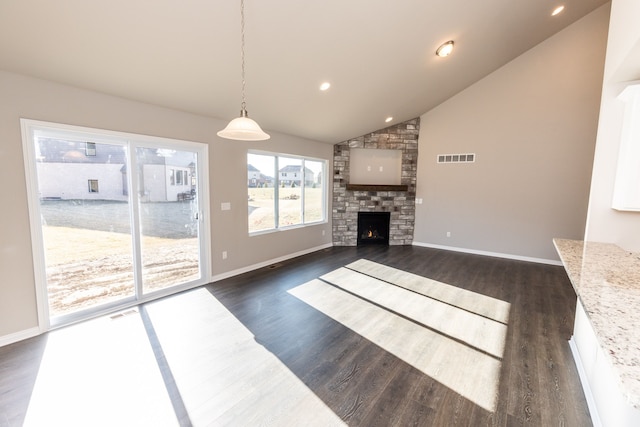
185 54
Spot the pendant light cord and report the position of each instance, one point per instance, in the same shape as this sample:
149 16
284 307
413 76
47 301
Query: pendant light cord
243 128
243 112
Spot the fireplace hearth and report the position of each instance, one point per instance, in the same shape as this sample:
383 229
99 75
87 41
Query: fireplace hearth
373 228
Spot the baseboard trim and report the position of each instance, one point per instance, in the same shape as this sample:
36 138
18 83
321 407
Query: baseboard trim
249 268
492 254
591 403
19 336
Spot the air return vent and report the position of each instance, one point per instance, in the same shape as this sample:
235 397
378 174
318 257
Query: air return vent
456 158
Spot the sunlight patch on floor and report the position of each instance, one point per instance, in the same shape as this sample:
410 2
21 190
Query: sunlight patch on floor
99 373
236 381
476 331
474 302
107 372
453 345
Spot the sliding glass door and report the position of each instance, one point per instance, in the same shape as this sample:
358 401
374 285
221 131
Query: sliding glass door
97 244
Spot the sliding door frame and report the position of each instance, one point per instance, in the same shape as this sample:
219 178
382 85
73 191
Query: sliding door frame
130 142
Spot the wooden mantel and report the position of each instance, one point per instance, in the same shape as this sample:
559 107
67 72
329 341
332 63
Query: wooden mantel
373 187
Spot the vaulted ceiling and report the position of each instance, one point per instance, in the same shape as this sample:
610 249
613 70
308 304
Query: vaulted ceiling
378 55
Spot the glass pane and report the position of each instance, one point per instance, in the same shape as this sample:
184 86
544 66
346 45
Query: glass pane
290 177
313 191
168 209
260 182
85 223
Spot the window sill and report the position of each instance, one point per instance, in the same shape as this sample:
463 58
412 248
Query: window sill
286 228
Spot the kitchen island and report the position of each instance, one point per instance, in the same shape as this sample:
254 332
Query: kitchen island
606 338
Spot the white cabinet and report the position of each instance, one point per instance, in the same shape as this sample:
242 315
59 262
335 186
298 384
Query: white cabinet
626 193
607 404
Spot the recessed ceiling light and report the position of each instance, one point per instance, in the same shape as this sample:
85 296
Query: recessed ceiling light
324 86
445 49
388 119
557 10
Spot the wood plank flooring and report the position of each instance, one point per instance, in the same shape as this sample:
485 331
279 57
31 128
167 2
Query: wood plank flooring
248 351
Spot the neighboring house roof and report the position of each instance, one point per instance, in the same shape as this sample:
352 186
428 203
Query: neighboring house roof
62 151
263 177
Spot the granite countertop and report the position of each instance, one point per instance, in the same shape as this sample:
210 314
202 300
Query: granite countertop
606 279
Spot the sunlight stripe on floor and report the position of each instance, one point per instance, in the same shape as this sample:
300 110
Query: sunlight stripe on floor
483 305
469 372
477 331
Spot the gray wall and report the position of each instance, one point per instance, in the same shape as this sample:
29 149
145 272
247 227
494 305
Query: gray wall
24 97
532 125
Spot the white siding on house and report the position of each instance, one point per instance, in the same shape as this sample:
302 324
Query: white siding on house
156 181
71 181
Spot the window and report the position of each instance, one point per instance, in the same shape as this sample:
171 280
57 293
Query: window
284 191
179 178
90 149
93 186
172 177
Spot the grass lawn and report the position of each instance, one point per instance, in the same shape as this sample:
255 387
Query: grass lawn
88 250
261 214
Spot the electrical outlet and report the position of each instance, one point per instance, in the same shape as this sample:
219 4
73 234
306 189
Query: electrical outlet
323 232
448 234
224 254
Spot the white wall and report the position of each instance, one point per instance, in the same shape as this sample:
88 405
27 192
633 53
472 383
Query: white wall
532 125
622 64
25 97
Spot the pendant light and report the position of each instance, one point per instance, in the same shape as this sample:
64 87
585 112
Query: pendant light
243 128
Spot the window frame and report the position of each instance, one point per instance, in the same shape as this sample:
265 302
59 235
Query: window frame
277 184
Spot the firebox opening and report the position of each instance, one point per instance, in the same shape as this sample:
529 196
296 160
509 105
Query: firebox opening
373 228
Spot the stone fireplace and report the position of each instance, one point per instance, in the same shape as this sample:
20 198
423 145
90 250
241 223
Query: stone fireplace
397 200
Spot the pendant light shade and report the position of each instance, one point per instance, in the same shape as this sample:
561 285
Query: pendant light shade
243 128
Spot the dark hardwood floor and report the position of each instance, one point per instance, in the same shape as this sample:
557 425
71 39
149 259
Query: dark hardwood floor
307 367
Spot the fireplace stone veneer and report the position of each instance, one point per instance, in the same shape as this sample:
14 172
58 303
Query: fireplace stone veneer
399 201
